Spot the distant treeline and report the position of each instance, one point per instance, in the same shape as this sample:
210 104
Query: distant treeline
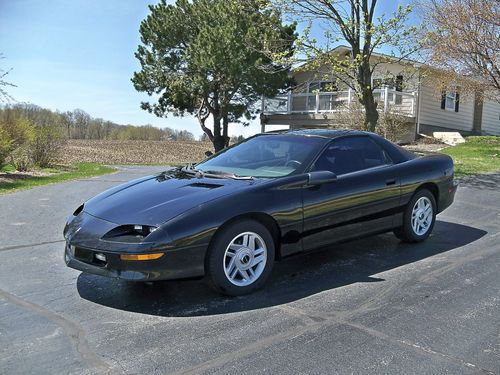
78 124
34 136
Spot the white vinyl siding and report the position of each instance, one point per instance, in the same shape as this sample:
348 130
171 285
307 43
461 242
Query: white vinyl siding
432 114
491 117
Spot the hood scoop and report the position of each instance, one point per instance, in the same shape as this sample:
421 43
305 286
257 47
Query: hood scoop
205 185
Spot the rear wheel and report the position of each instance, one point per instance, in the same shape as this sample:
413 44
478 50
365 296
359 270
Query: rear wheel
241 258
419 217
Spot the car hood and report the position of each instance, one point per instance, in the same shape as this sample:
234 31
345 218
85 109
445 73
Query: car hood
154 200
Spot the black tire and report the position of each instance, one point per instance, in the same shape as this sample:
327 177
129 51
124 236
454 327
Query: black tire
217 263
407 233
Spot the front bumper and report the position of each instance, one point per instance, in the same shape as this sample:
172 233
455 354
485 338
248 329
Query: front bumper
84 232
181 263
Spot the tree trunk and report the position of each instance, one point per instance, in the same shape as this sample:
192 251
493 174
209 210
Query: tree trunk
218 139
371 113
219 143
207 131
225 126
366 96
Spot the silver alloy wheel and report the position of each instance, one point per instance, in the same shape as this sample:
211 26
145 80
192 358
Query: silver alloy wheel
245 259
421 216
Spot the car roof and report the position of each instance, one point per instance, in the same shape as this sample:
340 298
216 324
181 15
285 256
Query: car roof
324 133
396 153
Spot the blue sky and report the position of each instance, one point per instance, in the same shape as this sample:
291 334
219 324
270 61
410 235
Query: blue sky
68 54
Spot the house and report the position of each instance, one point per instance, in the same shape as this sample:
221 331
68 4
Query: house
409 89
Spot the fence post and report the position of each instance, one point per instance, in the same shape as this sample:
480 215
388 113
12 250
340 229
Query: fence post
386 98
317 101
289 102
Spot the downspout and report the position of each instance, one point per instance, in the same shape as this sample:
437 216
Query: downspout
262 116
418 103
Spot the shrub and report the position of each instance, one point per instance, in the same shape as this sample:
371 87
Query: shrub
392 125
350 117
5 145
25 145
395 126
46 144
20 130
15 135
21 159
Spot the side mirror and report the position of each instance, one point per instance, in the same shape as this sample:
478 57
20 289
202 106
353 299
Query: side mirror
321 177
208 153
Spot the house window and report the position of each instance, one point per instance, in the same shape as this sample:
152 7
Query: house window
379 83
326 101
322 86
450 100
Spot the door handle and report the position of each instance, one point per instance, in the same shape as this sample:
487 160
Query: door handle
390 182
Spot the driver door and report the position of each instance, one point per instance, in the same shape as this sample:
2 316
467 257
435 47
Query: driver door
363 200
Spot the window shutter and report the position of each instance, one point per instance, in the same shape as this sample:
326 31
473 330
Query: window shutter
457 98
443 99
399 83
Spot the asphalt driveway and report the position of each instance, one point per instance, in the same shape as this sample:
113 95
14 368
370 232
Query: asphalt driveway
370 306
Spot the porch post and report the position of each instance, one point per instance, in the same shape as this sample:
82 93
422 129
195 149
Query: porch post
317 101
414 97
289 102
386 98
349 97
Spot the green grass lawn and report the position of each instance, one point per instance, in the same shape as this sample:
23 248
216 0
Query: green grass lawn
52 175
477 155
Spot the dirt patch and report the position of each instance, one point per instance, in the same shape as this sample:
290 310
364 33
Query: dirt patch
166 152
425 147
426 144
11 177
133 152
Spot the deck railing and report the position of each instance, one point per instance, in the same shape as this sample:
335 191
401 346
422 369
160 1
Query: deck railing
330 102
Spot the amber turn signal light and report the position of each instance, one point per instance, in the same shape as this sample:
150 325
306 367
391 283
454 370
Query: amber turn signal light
141 256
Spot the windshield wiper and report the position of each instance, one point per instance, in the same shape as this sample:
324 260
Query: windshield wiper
190 169
213 173
226 174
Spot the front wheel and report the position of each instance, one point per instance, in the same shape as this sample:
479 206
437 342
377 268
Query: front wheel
419 217
241 258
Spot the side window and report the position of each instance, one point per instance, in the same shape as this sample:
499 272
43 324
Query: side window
351 154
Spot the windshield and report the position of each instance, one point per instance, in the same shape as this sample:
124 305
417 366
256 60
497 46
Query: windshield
264 156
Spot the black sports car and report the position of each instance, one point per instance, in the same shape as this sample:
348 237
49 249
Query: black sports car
275 194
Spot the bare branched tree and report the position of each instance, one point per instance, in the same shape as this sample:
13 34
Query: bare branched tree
4 95
464 41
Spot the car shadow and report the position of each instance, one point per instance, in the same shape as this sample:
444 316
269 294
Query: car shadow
292 279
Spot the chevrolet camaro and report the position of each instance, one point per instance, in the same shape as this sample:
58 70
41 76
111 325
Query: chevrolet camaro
231 216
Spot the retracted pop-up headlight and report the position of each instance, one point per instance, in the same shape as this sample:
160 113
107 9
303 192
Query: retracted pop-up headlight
78 210
129 233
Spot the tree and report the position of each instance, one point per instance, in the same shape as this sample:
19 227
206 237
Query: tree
204 58
184 135
353 22
237 139
4 95
464 41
